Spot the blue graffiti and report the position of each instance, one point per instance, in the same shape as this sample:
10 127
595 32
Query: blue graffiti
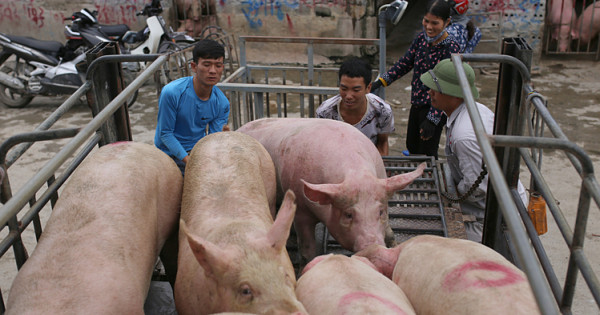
253 8
525 5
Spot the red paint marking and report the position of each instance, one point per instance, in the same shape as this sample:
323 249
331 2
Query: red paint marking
289 21
347 301
459 280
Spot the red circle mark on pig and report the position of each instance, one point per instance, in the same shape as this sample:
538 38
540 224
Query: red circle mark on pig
347 301
458 279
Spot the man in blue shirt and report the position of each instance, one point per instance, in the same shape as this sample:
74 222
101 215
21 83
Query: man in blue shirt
189 108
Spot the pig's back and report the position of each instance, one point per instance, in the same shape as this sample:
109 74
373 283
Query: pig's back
343 285
328 148
224 169
100 244
453 276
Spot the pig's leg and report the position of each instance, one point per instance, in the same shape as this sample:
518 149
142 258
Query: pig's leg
168 255
305 232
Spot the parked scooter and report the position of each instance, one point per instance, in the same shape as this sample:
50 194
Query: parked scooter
31 67
154 38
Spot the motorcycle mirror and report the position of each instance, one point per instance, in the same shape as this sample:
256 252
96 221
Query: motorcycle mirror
395 10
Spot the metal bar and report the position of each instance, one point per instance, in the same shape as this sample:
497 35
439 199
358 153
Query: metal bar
33 136
315 40
525 255
275 88
12 207
49 122
53 188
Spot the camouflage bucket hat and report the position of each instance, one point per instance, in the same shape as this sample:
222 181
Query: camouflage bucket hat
443 79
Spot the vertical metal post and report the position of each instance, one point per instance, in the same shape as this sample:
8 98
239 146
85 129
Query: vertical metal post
311 73
107 83
382 48
507 122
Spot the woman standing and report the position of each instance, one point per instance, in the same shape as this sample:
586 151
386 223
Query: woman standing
433 44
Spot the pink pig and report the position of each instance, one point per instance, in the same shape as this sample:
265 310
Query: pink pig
337 284
588 23
453 276
100 245
232 256
561 17
338 176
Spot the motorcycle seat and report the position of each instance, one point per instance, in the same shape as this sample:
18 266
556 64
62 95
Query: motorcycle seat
47 46
114 30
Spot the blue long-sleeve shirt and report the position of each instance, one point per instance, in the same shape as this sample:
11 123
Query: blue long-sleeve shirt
421 57
183 117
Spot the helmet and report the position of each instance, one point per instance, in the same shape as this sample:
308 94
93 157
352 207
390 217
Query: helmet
461 6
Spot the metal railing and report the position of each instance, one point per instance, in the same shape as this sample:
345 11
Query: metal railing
83 141
250 100
526 245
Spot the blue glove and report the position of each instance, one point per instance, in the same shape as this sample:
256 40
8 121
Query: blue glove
427 129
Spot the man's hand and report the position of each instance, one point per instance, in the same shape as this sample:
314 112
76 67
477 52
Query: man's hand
226 127
427 129
186 159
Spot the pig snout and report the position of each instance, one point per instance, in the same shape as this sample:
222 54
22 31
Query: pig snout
364 240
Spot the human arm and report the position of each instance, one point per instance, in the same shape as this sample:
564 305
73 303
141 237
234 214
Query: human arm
404 65
222 108
166 122
382 144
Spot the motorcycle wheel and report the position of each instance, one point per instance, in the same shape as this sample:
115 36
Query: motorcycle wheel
175 67
9 96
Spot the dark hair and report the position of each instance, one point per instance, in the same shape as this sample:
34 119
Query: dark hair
470 29
208 49
355 68
440 8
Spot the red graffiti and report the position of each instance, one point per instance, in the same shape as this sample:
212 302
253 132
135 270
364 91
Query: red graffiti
493 5
289 21
35 14
346 304
460 278
8 11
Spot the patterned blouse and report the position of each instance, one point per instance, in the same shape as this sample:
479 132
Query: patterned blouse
461 36
421 57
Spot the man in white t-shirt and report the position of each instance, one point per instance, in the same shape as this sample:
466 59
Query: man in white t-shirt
356 106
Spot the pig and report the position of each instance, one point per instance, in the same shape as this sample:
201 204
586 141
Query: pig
232 256
101 242
562 18
337 175
454 276
588 24
338 284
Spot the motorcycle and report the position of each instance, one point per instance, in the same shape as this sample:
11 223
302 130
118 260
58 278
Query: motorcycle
30 67
154 38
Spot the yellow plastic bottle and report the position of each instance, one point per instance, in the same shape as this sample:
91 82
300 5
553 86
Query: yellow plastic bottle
537 212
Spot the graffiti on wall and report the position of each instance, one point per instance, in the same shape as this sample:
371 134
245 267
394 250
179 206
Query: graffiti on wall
30 15
255 10
20 12
524 18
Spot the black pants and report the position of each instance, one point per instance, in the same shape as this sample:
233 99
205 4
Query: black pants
414 144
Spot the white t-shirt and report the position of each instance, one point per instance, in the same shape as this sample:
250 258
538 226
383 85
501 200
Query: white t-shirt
378 118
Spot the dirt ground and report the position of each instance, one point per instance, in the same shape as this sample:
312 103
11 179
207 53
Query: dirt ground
571 87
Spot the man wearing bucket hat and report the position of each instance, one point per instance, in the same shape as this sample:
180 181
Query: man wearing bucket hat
462 150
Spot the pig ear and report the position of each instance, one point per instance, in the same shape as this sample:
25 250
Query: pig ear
324 194
401 181
280 231
213 259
